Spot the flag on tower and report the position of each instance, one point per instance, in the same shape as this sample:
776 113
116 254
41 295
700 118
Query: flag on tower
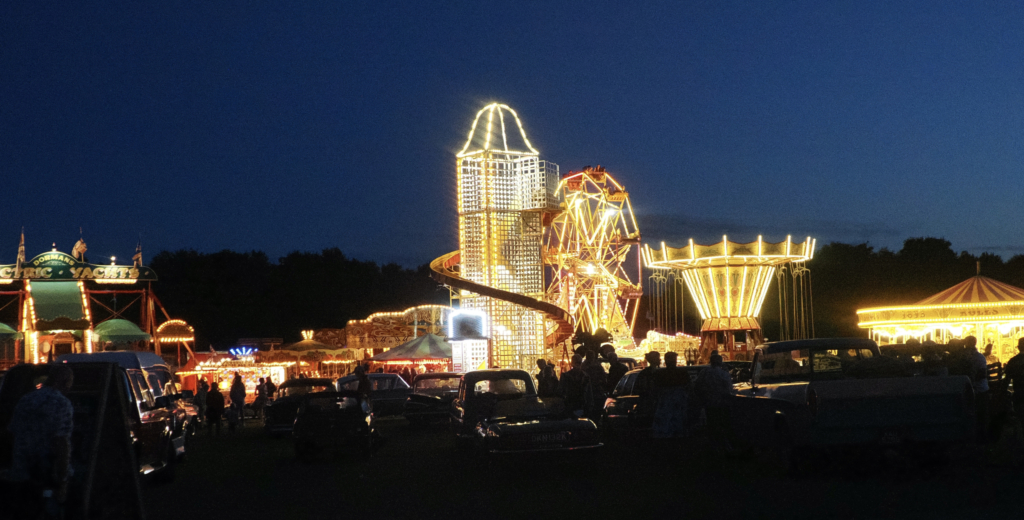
21 255
137 257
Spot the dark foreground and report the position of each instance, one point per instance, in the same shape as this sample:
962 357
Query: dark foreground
418 474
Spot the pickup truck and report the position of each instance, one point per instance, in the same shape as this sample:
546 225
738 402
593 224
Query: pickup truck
839 393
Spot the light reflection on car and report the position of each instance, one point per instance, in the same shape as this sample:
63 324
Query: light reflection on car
431 395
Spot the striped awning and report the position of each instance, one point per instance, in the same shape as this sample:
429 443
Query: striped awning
978 289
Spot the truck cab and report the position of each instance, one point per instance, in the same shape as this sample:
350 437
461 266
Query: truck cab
841 392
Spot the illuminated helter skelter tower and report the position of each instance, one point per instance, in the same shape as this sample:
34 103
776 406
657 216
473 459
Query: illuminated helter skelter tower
729 282
504 191
586 247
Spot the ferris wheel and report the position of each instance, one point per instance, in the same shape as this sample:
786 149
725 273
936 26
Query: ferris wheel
587 246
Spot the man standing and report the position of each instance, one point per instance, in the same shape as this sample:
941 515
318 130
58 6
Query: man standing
713 387
41 425
202 389
673 387
616 370
271 388
979 379
1015 373
645 388
572 386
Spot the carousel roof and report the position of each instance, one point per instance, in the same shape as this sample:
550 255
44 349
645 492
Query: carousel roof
425 347
306 345
978 289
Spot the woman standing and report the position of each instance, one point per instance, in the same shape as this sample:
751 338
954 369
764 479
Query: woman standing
214 408
237 395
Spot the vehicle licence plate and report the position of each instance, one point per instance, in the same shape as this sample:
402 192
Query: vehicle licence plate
891 437
550 438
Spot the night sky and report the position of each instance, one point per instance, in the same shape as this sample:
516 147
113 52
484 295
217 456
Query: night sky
282 126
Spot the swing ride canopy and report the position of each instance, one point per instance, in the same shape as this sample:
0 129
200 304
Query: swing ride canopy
729 280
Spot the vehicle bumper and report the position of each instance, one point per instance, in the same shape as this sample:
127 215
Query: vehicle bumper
501 451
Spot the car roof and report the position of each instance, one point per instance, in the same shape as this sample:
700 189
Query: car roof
817 344
136 360
436 375
305 381
496 373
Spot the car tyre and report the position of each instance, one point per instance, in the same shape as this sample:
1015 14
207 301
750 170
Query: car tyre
168 472
305 451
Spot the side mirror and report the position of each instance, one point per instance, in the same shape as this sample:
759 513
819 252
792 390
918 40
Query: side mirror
163 401
188 394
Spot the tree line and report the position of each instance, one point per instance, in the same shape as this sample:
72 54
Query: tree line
230 295
847 277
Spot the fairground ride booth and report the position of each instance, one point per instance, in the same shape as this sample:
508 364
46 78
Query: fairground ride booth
991 311
56 304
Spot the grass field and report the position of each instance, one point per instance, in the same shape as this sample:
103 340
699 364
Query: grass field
419 474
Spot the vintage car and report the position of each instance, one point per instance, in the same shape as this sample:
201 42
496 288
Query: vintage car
163 424
498 411
279 414
819 393
431 396
619 416
158 424
339 421
387 392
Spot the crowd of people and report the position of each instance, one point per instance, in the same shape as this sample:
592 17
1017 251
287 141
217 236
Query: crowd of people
668 398
212 408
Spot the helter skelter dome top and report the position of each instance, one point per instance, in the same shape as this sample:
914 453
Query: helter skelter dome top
493 131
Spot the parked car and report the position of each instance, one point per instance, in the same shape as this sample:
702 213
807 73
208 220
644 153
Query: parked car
333 421
840 392
279 414
387 392
431 396
498 411
619 414
161 424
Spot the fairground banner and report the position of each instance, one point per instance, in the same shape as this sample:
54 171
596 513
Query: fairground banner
59 266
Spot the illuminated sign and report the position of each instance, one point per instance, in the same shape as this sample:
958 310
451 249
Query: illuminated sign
467 324
58 266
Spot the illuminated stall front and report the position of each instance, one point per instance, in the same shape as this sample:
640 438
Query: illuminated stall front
221 368
991 311
61 304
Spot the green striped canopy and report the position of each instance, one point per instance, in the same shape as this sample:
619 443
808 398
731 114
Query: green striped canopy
119 331
6 332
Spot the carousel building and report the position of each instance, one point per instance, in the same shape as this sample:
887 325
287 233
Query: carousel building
991 311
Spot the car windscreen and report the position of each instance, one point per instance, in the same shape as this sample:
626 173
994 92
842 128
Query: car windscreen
436 385
501 387
304 389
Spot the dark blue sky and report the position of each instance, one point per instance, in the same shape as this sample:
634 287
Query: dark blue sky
280 126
